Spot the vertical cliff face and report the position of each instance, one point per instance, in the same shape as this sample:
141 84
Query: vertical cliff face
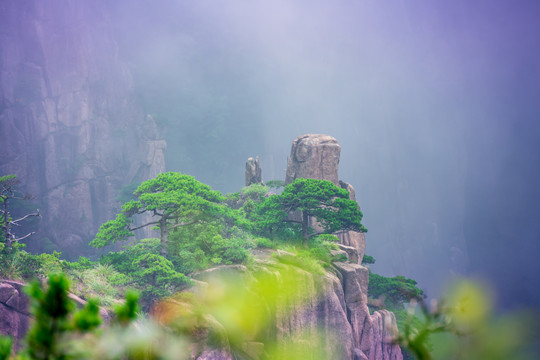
70 126
361 335
323 316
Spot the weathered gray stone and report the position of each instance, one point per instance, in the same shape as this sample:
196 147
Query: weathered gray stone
355 282
317 157
355 240
217 348
314 156
253 171
326 314
339 253
383 346
14 316
352 253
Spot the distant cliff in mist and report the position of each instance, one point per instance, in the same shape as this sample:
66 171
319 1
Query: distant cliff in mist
71 127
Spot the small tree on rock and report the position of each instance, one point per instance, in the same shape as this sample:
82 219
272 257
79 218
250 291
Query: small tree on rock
321 199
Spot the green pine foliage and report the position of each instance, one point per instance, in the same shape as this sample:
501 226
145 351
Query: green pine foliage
143 268
55 317
174 199
368 260
200 246
395 291
275 184
327 203
156 277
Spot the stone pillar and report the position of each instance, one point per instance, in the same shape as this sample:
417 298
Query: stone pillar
314 156
253 171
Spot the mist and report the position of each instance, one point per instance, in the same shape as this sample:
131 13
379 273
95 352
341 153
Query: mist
435 105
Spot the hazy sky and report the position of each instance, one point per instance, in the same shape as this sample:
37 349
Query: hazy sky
435 103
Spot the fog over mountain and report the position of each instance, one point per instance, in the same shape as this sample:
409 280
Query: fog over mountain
436 106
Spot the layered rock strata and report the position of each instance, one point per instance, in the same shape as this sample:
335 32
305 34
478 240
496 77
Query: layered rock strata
71 128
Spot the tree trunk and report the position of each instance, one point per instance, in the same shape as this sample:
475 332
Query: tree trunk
164 232
305 221
7 226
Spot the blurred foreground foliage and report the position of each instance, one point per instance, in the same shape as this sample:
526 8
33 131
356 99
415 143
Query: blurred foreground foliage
235 314
464 326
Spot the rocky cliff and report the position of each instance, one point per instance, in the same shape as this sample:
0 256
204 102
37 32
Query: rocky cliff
70 125
316 156
321 317
328 316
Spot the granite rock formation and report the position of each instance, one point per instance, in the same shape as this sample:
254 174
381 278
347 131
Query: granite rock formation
14 315
354 239
70 125
328 316
362 336
316 156
253 171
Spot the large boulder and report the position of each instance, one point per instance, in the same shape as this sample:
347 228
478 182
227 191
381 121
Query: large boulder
314 156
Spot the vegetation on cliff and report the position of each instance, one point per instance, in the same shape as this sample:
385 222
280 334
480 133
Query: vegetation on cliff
319 199
201 228
173 200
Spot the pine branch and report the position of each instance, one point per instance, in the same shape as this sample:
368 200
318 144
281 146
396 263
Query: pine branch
14 222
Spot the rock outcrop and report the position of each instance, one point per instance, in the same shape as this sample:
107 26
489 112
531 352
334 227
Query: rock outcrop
14 315
383 330
253 171
71 128
323 316
316 156
352 238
